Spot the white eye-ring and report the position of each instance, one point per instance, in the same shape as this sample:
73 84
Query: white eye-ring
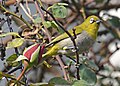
92 20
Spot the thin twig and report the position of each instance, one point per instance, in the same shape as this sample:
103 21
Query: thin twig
62 67
71 37
25 10
42 17
15 69
28 9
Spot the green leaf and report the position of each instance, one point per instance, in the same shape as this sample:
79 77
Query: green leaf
47 24
9 33
15 43
58 81
80 83
12 58
59 11
21 57
37 20
88 75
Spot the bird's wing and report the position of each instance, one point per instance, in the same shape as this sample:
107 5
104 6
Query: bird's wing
78 30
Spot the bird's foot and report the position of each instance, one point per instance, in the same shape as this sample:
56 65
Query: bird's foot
77 65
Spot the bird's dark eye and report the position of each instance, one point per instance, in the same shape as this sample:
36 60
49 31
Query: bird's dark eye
92 20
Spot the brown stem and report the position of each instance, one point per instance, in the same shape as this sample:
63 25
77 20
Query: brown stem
62 67
23 71
42 17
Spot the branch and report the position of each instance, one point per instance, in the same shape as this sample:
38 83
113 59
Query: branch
42 17
25 11
62 67
71 37
15 69
27 6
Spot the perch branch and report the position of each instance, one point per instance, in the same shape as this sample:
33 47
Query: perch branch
71 37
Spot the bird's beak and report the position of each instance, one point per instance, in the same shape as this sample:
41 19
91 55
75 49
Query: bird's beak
98 21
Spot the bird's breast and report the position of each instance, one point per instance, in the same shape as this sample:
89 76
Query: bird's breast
83 42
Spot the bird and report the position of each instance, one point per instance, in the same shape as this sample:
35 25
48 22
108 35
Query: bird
86 34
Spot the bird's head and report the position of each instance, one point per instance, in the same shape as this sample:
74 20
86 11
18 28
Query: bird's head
92 25
93 21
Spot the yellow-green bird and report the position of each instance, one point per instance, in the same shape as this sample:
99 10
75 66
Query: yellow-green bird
86 34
